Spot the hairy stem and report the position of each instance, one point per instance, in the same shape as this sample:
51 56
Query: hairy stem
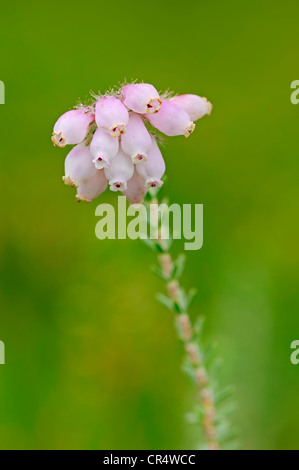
216 430
192 349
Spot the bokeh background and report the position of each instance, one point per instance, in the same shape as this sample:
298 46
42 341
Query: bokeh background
92 358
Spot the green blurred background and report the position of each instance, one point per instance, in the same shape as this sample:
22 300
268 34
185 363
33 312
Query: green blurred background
92 358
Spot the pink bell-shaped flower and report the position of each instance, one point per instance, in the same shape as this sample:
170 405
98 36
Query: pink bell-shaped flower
103 148
112 115
172 120
78 165
136 141
119 172
194 105
136 190
72 127
91 188
141 98
154 168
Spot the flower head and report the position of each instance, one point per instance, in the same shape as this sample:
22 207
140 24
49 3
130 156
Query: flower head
112 134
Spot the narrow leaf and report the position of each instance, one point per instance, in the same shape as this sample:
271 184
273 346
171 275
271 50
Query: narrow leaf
157 271
191 296
164 300
179 265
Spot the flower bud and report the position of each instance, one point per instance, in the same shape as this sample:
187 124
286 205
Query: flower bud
91 188
194 105
72 127
121 169
136 141
78 165
136 190
112 115
154 168
103 148
141 98
172 120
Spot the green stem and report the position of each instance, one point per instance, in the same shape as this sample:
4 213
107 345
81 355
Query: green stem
176 301
192 349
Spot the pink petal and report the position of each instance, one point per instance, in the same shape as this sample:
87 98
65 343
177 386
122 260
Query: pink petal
172 120
141 98
194 105
136 190
136 141
91 188
103 148
72 127
112 115
78 165
119 172
153 169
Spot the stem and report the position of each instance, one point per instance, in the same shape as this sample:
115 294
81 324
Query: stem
192 349
176 301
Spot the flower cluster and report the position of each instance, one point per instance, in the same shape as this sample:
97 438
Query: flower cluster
113 143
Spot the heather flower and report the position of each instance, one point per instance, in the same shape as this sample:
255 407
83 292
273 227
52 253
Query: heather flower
78 165
112 115
195 105
172 120
105 151
103 148
141 98
136 141
136 189
91 188
153 169
111 134
72 127
120 171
